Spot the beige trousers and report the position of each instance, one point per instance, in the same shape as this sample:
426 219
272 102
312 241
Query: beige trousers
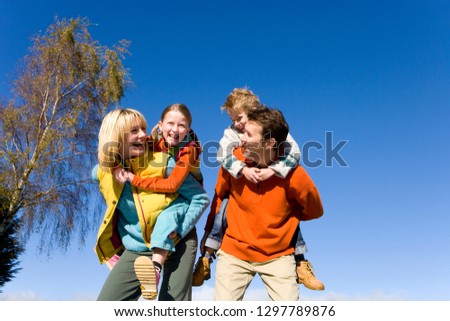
233 276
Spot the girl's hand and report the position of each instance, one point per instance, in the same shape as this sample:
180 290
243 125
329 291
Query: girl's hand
118 175
122 175
128 175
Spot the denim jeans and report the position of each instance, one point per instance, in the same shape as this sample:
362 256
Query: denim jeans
300 245
215 237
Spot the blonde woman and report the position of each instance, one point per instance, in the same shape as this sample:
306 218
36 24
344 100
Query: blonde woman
132 213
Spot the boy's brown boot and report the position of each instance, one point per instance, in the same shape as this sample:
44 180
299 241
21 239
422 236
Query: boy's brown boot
202 271
305 276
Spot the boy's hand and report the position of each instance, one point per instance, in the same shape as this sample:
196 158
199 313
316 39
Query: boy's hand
265 173
251 174
256 175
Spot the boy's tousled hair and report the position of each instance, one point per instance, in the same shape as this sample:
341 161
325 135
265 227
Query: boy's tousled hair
241 100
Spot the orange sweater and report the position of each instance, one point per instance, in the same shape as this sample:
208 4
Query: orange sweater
262 218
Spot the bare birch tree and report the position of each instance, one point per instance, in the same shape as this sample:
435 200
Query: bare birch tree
63 88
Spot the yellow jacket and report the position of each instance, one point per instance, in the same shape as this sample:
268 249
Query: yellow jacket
148 204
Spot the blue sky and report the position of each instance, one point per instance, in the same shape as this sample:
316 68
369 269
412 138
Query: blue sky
374 74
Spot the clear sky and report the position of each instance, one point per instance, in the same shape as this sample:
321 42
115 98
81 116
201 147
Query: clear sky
374 75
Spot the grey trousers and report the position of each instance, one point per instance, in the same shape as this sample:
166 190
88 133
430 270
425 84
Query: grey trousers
176 284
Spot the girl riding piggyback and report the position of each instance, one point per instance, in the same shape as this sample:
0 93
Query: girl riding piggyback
172 135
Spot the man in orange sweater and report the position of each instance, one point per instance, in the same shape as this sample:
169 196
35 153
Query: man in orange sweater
262 218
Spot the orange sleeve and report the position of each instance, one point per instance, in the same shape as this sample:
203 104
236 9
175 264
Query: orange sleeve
171 184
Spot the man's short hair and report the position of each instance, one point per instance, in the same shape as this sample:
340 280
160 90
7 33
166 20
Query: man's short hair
272 122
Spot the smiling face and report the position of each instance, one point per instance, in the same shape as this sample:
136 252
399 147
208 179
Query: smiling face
252 142
239 119
134 141
174 127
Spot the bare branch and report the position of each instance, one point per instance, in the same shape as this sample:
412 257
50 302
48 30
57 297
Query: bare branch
65 85
38 197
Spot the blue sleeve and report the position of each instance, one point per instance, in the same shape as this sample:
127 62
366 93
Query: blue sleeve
94 173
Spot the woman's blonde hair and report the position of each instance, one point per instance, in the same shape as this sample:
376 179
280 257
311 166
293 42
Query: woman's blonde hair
114 126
